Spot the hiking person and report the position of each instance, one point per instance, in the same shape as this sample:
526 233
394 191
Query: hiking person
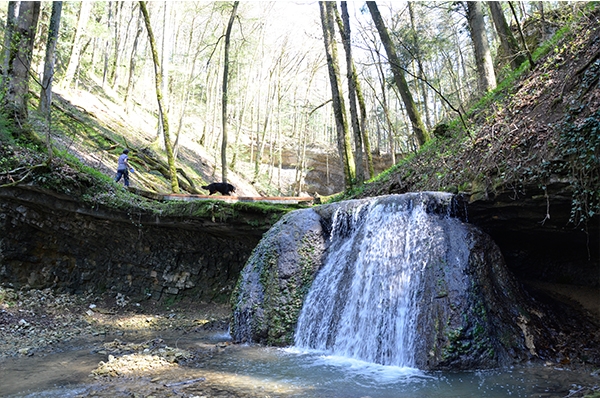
123 168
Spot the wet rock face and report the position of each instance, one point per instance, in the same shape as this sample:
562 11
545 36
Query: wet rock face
470 313
537 239
47 241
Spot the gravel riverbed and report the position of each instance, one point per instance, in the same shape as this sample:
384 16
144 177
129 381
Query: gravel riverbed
129 349
33 322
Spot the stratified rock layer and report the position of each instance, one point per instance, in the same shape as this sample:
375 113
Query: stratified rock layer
49 240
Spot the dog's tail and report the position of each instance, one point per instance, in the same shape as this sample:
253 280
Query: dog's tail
204 187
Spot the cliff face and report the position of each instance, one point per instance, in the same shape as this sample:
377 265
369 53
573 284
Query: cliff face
49 240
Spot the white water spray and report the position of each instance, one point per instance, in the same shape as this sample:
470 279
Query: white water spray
364 302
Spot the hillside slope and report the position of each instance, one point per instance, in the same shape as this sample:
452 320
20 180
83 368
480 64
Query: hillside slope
95 126
528 171
539 129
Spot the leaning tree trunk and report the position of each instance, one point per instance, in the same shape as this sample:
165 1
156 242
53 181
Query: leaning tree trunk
344 145
507 39
421 134
162 112
483 56
224 93
15 103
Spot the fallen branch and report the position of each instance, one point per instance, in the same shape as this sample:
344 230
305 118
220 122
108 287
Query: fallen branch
16 170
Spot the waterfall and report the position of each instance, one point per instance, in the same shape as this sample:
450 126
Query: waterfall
365 300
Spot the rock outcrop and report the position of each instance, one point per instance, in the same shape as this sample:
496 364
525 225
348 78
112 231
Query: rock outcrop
50 240
272 287
471 313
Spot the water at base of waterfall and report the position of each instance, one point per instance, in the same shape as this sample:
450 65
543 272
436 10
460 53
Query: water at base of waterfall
259 372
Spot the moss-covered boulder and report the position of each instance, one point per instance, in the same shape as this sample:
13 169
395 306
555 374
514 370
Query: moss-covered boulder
271 289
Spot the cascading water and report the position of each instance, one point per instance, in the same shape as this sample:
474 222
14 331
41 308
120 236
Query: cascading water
365 301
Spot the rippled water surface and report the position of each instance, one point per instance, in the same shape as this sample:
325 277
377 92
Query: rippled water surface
255 371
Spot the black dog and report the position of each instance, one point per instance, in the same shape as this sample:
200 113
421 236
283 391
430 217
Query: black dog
224 188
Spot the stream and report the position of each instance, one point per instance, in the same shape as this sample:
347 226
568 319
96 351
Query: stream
258 371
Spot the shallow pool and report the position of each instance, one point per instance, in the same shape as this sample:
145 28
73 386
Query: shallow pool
257 371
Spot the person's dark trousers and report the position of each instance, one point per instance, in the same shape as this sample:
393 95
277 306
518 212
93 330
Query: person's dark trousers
122 173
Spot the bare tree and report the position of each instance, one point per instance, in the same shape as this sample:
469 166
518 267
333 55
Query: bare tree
11 23
343 139
483 56
46 94
133 55
224 93
15 102
46 90
522 36
164 120
73 64
421 134
345 32
507 39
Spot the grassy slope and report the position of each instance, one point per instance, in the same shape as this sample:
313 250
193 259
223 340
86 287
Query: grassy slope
87 143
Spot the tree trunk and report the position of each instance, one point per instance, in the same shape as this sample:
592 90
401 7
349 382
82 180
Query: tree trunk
363 124
114 71
523 41
107 45
507 39
343 139
11 23
483 56
132 58
46 94
385 109
418 59
166 49
159 97
421 134
73 64
20 60
344 26
224 93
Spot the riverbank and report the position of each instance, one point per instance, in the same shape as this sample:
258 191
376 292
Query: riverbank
61 345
